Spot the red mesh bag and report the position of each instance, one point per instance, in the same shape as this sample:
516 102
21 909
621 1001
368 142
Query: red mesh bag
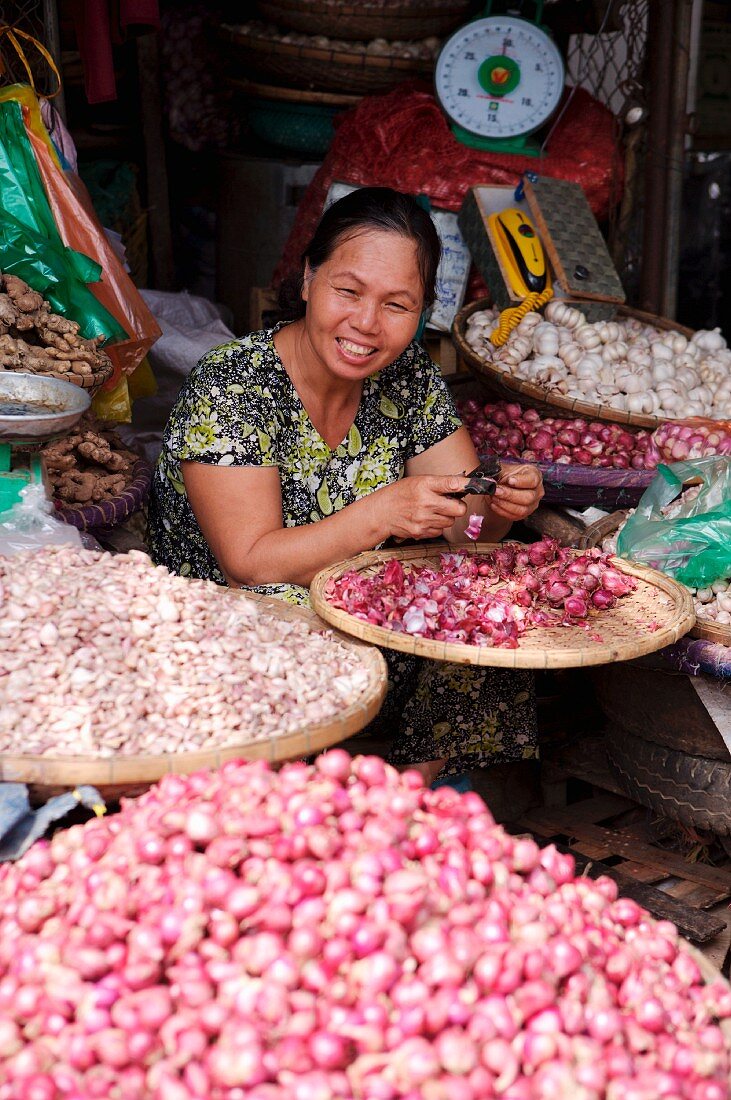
403 140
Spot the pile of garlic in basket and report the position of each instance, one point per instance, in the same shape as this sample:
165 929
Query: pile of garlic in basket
627 364
105 655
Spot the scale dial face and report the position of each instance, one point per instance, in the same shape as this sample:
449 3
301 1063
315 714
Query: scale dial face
499 77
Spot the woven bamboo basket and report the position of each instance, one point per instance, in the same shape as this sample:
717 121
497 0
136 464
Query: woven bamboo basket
130 775
509 388
603 528
89 382
658 613
268 60
395 19
292 118
113 510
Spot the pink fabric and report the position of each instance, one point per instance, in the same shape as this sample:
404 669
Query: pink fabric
99 24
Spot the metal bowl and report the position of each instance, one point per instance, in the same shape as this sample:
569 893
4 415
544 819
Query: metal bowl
34 409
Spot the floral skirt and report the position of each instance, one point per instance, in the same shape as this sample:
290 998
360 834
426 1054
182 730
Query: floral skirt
471 716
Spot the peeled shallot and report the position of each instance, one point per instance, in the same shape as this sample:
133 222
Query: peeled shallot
485 599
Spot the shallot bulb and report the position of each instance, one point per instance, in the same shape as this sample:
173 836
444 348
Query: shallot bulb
508 430
486 600
472 531
349 935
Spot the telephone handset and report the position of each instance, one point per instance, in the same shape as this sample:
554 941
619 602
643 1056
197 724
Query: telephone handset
521 252
521 256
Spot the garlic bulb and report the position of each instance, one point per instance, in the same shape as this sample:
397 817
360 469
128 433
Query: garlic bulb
626 364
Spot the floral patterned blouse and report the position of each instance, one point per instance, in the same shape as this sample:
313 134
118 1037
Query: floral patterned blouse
238 407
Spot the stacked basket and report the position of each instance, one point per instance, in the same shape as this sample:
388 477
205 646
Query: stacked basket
333 52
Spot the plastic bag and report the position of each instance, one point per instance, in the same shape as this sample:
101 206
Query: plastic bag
689 540
30 524
30 245
81 230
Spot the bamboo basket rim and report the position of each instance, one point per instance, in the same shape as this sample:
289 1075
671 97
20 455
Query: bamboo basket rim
257 90
542 397
402 19
141 770
354 59
707 631
528 654
355 7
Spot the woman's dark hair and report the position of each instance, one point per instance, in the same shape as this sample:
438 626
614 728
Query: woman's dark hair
379 208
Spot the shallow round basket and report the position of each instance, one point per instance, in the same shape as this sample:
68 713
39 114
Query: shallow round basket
509 388
603 528
115 510
658 613
130 775
88 382
391 19
298 66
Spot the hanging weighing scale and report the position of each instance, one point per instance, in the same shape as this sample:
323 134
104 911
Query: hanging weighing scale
33 411
499 78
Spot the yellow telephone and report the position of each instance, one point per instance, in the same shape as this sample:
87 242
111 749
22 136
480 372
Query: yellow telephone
522 258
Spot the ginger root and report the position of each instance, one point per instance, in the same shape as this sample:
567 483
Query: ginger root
32 339
89 465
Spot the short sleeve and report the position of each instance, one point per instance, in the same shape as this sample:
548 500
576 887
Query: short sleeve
435 416
224 415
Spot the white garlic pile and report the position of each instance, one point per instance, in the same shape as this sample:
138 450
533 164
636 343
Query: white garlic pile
424 50
104 655
714 603
626 364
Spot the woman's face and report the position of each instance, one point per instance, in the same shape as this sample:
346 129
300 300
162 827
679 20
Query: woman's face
363 303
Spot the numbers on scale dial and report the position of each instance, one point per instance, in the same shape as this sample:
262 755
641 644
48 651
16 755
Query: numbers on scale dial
499 78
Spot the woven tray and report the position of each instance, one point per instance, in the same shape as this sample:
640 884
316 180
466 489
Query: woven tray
89 382
314 67
506 386
396 19
127 775
603 528
623 629
115 510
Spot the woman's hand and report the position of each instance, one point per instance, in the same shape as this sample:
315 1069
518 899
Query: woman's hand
419 507
519 495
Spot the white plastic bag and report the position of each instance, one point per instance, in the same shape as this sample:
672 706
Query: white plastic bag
31 524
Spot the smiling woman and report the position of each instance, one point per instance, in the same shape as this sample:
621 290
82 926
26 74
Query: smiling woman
305 444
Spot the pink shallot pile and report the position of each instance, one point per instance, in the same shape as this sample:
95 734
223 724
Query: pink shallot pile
510 431
485 599
680 442
337 932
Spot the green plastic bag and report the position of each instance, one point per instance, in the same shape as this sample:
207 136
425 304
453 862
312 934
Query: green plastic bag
30 245
690 541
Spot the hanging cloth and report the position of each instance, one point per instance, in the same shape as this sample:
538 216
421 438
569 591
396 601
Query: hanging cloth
100 24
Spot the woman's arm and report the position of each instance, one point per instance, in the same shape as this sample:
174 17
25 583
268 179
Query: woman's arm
239 511
514 499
